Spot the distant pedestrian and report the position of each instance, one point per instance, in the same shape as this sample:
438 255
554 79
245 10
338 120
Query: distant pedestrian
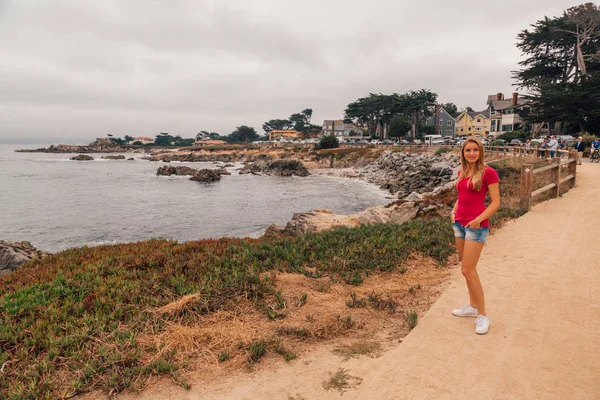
595 146
580 147
471 226
527 147
552 146
543 148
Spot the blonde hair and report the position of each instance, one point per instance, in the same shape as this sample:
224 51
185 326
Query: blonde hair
476 178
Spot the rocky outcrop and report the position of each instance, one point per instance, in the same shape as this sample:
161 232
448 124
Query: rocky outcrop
15 254
194 157
286 168
82 157
320 220
251 168
407 174
206 175
223 171
169 170
114 157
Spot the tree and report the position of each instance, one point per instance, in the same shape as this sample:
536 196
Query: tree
450 109
555 71
586 18
128 138
420 105
163 139
276 124
215 136
399 126
243 134
469 109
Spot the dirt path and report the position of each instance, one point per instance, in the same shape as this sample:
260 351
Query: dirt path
541 274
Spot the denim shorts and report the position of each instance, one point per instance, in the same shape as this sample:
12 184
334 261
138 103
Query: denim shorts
476 235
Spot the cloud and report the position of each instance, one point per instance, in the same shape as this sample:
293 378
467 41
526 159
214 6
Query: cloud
75 69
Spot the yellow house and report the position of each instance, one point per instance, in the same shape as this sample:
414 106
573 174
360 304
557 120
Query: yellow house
472 123
288 134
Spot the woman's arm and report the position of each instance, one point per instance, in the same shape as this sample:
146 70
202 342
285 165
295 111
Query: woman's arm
494 190
453 212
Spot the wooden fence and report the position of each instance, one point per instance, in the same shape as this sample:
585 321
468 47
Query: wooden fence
556 168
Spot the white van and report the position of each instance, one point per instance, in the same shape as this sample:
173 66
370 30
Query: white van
433 139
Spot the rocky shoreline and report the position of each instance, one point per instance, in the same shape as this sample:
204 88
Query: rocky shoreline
414 178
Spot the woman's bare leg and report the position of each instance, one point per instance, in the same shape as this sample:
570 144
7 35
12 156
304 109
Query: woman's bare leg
470 257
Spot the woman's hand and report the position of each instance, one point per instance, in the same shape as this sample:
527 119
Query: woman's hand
453 216
475 224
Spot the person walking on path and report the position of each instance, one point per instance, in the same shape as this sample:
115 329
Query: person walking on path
595 146
471 226
580 147
552 146
527 146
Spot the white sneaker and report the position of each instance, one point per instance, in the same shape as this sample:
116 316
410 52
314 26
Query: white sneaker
482 325
466 311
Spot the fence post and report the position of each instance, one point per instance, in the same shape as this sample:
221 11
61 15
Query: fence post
556 177
526 187
573 167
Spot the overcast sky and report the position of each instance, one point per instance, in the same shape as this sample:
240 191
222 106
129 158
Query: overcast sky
74 70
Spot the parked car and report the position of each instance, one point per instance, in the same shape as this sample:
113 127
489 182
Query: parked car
516 142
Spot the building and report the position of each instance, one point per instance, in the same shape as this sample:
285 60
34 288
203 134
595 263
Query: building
143 140
339 129
472 123
286 134
442 121
208 142
505 114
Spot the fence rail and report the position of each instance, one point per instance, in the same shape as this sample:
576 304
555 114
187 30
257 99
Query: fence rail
528 173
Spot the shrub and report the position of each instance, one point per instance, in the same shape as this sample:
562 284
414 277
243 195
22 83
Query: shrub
328 142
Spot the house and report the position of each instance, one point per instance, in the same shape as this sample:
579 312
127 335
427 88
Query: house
442 121
208 142
287 134
339 129
143 139
504 114
472 123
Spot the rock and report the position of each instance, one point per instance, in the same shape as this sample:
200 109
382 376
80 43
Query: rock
414 196
82 157
250 168
180 170
131 159
439 168
206 175
286 168
228 165
121 157
319 220
223 171
273 230
15 254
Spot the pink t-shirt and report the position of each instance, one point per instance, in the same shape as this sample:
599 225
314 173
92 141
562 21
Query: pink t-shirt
471 203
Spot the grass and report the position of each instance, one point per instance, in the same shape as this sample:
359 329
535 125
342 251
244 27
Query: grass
357 349
411 319
342 381
72 322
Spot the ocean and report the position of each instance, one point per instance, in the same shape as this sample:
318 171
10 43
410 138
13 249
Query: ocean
56 203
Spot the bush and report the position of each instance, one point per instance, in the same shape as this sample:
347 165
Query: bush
508 136
328 142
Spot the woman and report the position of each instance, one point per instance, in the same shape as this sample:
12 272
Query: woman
471 226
